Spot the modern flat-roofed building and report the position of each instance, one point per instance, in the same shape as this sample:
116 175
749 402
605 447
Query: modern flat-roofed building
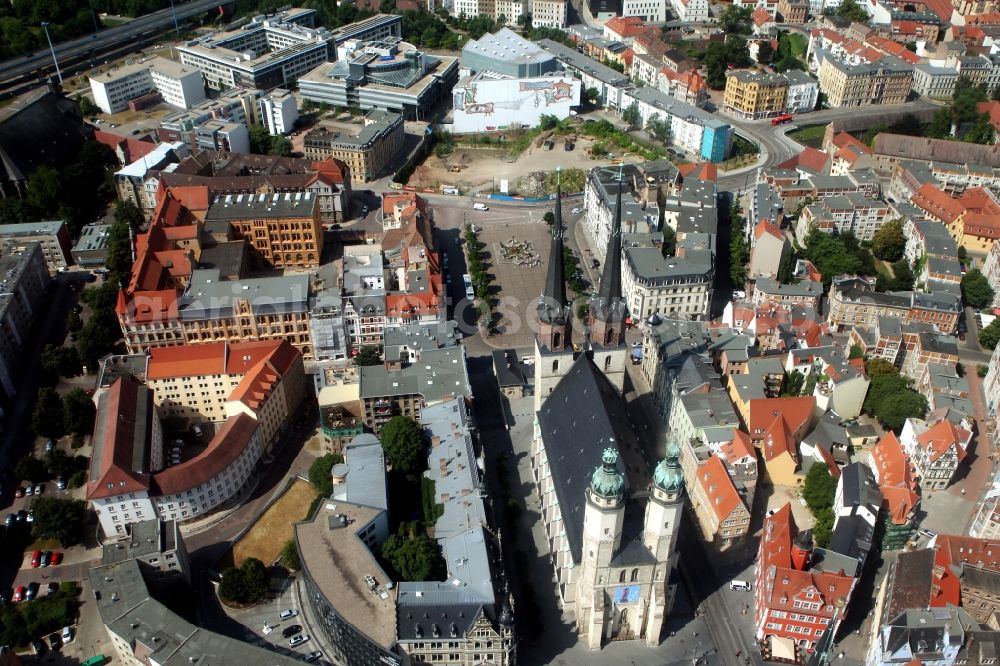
368 152
278 112
508 54
284 229
157 546
695 131
53 237
176 84
387 74
91 249
267 52
22 291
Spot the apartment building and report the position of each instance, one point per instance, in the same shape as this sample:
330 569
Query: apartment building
654 11
239 105
722 514
754 94
609 83
549 14
854 302
792 11
23 290
385 393
693 130
991 269
769 245
690 11
933 81
935 449
53 237
897 481
173 82
137 184
268 52
678 286
368 153
283 229
278 111
887 81
845 213
803 92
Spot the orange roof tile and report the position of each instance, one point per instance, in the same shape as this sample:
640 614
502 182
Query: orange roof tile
843 140
149 306
895 478
740 448
761 16
259 381
229 443
186 361
765 227
930 198
809 159
119 456
718 488
951 552
778 441
795 412
941 437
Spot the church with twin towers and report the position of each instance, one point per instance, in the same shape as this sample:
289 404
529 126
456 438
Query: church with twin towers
611 523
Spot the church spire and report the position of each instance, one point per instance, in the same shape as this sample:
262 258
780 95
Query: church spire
553 313
607 308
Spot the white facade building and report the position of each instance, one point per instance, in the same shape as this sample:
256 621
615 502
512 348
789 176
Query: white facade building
648 10
278 112
485 102
549 13
177 84
691 11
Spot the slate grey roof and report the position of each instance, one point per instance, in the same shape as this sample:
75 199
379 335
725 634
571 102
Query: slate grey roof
420 336
978 578
578 61
261 206
364 467
507 368
582 416
910 582
208 296
439 374
38 128
858 487
852 538
805 288
552 306
672 337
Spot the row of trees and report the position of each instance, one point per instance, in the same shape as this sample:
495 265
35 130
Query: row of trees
55 415
961 118
262 143
246 585
819 491
41 616
54 464
482 281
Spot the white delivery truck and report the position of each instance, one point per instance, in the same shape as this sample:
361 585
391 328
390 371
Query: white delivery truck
480 206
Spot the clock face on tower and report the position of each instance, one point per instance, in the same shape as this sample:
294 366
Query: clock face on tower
628 594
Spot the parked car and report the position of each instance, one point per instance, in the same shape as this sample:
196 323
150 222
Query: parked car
29 491
19 492
57 557
9 521
197 430
22 516
36 559
55 642
38 646
6 595
52 588
46 559
18 594
288 613
31 592
30 517
298 640
49 445
315 655
291 631
39 488
67 634
61 483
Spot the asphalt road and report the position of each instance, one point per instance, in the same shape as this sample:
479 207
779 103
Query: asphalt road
104 40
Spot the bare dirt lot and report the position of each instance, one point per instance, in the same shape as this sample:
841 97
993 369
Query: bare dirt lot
266 538
481 167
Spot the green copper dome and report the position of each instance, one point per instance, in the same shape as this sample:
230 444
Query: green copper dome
668 475
608 480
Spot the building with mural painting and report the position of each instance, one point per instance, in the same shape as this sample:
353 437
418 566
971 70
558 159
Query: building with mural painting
507 81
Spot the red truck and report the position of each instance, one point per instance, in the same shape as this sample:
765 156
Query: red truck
782 119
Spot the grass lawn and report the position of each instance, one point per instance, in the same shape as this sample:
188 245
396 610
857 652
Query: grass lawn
109 22
799 44
267 536
814 133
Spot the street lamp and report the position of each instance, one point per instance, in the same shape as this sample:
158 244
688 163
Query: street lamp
45 27
173 11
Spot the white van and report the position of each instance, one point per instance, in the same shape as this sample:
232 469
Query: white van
741 585
480 206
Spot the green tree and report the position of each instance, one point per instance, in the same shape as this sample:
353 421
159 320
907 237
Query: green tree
246 585
888 242
976 289
658 128
852 11
280 146
593 95
30 468
47 417
403 443
88 108
59 519
78 412
260 140
320 470
735 20
368 355
823 528
547 122
739 257
60 362
878 367
792 383
64 466
414 557
765 52
990 336
73 322
289 556
669 241
940 125
549 218
856 352
963 254
45 190
819 488
786 268
631 115
891 400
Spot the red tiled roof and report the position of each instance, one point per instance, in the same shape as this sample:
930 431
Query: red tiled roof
809 159
937 203
895 478
765 227
941 437
952 551
228 444
259 381
699 170
795 412
121 438
718 488
186 361
778 441
761 16
843 140
740 448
